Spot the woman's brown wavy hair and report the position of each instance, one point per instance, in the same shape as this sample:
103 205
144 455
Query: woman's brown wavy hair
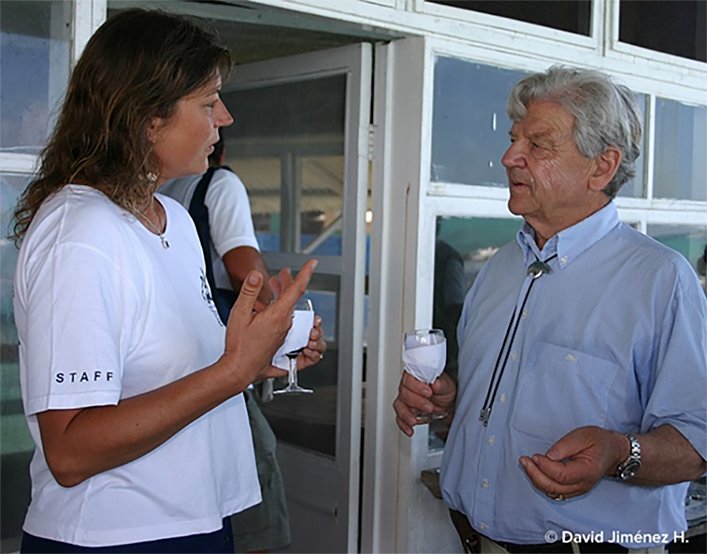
136 67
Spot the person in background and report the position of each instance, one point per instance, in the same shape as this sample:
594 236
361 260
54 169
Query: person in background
580 413
448 298
234 253
131 383
701 268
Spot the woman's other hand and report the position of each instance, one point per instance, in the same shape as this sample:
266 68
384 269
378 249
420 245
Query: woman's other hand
252 338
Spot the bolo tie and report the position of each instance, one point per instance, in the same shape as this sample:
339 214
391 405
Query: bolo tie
536 270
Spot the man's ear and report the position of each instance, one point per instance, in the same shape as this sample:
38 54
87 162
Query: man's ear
606 165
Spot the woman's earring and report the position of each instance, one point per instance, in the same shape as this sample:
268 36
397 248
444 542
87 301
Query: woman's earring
151 178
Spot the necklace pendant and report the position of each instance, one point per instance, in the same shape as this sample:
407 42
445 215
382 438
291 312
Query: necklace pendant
537 268
165 242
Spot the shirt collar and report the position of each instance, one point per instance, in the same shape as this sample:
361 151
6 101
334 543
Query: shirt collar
571 242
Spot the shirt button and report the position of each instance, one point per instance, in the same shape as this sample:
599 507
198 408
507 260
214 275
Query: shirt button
514 355
503 397
524 314
491 440
483 526
485 484
570 358
564 259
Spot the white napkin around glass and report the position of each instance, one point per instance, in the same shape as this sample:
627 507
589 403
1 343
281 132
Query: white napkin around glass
297 337
426 362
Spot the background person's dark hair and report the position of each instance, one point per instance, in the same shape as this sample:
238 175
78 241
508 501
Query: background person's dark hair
136 66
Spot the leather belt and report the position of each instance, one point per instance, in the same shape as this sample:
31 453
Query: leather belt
471 541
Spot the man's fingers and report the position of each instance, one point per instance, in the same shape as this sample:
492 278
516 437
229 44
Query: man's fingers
541 481
414 394
541 470
415 385
404 416
404 427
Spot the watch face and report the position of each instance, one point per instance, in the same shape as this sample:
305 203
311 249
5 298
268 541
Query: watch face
630 470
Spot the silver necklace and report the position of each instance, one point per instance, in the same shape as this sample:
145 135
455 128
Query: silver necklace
165 242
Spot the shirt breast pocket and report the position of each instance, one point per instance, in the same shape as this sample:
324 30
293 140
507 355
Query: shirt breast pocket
561 389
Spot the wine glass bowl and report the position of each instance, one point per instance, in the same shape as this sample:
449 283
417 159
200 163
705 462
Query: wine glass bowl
424 357
295 342
423 337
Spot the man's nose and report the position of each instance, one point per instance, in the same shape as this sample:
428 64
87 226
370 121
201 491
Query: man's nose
514 156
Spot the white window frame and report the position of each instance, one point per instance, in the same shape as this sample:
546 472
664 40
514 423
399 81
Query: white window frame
623 51
496 23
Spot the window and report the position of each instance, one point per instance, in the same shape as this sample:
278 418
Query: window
16 446
680 146
689 240
34 45
573 16
674 26
636 187
469 122
287 149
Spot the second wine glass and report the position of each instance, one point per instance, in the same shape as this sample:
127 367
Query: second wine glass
295 342
424 357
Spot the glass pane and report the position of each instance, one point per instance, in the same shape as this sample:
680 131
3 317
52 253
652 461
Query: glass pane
672 26
680 146
34 70
16 446
636 188
469 122
566 15
287 147
690 241
462 247
309 421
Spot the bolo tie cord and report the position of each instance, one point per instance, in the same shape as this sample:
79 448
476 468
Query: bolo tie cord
536 269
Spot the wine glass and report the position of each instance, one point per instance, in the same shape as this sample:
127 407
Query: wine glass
424 357
296 341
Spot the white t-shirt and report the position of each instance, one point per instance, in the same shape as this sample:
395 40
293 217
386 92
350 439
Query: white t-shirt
104 312
230 222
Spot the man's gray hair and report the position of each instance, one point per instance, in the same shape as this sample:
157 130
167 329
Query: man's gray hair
605 113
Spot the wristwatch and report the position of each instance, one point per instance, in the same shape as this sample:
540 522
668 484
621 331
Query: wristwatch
630 465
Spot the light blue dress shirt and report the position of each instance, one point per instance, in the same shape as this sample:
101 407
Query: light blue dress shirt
615 336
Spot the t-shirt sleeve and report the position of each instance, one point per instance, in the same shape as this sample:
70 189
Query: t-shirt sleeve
78 329
230 220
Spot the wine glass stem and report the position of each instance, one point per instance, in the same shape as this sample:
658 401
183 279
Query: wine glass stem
292 375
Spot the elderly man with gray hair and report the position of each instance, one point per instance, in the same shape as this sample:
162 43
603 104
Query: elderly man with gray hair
580 411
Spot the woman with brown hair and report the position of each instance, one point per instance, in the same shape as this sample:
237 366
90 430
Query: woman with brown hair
131 384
